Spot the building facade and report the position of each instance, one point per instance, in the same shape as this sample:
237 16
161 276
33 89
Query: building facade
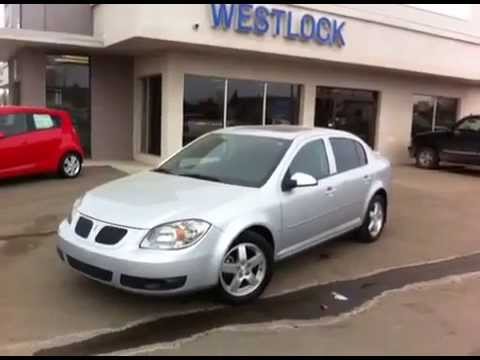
143 80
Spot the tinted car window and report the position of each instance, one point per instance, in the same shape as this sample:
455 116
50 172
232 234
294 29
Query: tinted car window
349 154
13 124
312 160
471 124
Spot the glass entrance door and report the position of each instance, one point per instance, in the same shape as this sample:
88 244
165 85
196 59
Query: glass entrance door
354 111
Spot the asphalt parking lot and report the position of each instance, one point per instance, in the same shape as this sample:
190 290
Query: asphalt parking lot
43 305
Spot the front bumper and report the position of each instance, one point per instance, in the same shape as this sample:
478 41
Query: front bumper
127 267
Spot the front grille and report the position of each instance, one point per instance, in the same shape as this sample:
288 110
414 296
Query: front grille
83 227
110 235
152 284
90 270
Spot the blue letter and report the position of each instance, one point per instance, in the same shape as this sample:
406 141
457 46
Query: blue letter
222 16
261 22
303 24
277 14
243 16
290 34
337 37
323 22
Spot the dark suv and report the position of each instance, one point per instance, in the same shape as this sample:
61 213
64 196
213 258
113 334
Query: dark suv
459 144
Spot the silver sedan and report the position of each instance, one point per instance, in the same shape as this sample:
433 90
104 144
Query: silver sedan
223 209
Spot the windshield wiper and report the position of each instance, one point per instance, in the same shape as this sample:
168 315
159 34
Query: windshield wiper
200 176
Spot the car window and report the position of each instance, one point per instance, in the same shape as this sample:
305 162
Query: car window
312 160
349 154
471 124
13 124
44 121
229 158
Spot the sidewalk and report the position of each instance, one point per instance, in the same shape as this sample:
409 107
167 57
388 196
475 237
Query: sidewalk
129 167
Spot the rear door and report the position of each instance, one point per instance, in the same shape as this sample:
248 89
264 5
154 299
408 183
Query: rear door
463 145
16 155
354 179
46 140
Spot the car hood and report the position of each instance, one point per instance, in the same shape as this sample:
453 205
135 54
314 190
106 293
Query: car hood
148 199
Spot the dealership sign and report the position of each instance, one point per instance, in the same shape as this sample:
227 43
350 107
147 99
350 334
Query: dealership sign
260 20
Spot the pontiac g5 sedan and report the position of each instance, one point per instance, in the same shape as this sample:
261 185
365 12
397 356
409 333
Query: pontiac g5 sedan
222 210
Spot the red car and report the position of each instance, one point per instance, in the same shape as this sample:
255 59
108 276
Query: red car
38 140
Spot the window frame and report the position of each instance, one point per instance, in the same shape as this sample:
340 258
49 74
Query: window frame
435 99
330 138
462 121
264 96
295 149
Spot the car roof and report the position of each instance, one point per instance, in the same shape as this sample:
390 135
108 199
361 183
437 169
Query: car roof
5 109
289 132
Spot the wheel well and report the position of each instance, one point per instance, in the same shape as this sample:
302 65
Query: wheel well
383 194
262 231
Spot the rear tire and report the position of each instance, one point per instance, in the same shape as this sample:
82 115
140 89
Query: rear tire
427 158
374 220
70 166
243 279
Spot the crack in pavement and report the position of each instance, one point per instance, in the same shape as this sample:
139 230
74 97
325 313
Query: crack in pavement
306 304
37 234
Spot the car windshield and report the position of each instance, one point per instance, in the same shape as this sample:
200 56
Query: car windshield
229 158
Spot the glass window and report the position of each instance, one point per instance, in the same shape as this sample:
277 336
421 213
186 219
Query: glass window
44 121
470 124
446 113
151 115
312 160
202 106
362 156
346 154
245 102
432 113
351 110
422 113
283 101
13 124
68 88
227 158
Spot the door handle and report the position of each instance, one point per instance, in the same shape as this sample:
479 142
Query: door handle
330 190
367 178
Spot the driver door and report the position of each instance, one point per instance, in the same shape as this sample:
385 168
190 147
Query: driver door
463 145
308 212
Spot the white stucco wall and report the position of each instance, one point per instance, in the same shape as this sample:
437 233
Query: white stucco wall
393 37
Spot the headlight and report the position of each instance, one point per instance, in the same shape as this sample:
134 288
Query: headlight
75 207
175 235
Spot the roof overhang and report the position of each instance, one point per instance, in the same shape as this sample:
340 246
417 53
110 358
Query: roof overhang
13 40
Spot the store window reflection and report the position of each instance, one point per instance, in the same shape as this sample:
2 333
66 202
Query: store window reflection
283 101
245 102
211 103
202 106
351 110
68 88
432 113
152 115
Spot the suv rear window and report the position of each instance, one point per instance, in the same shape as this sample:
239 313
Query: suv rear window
349 154
13 124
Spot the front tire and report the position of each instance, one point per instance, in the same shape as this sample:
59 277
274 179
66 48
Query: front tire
427 158
70 166
246 269
374 220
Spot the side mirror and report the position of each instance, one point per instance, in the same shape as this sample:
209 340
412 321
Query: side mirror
298 180
2 135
